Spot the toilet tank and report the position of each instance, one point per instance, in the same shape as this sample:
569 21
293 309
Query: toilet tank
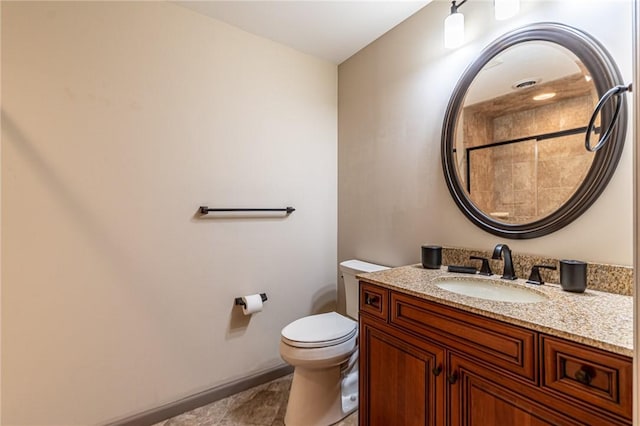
349 270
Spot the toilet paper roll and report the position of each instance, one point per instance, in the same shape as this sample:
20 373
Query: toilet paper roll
252 304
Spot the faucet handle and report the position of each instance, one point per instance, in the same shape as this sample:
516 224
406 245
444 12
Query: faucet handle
535 277
485 269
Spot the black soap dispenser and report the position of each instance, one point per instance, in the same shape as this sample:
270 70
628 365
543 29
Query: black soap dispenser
573 275
431 257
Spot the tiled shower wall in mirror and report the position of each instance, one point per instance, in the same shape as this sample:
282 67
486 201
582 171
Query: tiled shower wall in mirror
518 167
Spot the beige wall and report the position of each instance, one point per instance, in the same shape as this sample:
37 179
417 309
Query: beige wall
118 121
392 97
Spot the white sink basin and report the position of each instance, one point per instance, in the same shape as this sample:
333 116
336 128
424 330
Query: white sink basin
490 290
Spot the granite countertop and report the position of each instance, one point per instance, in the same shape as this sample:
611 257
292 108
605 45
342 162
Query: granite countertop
594 318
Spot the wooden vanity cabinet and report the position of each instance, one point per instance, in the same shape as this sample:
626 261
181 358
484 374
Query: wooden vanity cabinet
423 363
405 380
481 397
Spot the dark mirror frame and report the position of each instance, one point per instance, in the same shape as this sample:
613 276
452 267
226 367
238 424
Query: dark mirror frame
605 75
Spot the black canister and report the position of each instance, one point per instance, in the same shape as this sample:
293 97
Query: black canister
573 275
431 257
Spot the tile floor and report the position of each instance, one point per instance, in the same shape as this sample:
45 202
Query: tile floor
263 405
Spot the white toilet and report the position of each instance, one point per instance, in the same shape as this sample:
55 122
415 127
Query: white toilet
323 350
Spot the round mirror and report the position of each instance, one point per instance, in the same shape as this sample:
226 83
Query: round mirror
513 140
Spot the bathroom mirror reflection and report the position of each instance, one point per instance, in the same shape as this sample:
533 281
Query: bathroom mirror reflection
519 144
513 142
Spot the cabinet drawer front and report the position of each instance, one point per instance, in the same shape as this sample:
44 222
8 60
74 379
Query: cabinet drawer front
374 300
598 378
502 345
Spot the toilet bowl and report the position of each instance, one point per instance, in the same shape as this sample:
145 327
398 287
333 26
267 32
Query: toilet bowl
323 350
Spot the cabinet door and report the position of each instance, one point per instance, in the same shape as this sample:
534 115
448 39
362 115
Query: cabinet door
480 397
401 378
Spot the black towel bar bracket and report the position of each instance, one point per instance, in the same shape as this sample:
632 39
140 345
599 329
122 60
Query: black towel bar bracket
206 210
240 302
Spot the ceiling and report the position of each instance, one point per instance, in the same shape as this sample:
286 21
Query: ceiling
538 61
331 30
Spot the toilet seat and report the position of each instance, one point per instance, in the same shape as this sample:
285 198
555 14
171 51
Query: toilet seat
319 331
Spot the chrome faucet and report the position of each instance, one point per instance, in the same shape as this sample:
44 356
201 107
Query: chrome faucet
503 251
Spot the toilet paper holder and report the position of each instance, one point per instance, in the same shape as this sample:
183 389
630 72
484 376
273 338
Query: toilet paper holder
240 302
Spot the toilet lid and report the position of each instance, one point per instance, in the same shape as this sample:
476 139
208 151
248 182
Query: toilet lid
320 330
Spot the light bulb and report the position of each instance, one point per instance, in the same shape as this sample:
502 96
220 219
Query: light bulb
505 9
454 30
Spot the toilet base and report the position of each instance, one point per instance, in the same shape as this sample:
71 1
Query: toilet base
316 396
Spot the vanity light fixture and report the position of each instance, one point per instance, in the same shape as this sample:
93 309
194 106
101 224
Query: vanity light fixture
544 96
505 9
454 27
454 23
